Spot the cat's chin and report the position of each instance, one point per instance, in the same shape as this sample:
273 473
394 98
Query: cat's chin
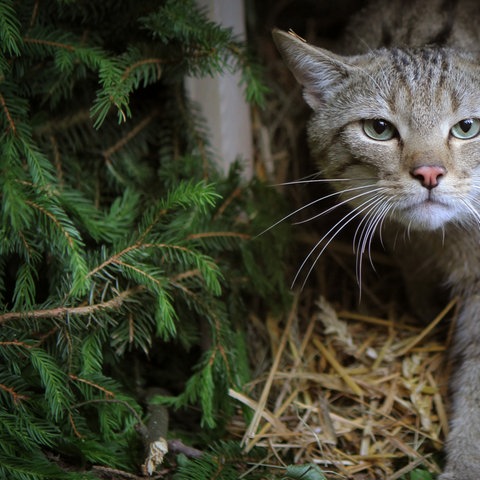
427 216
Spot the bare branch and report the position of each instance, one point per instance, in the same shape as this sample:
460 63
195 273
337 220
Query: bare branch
59 312
6 111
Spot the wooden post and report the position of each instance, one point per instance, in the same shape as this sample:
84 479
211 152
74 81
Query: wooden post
222 100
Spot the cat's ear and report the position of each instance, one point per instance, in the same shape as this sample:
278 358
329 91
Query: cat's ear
319 71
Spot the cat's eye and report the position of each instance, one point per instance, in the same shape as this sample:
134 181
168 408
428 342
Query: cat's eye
466 129
379 129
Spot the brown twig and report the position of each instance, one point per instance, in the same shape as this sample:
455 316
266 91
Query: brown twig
145 61
243 236
108 393
15 343
53 219
115 473
236 193
129 135
138 245
60 312
16 396
39 41
177 446
7 114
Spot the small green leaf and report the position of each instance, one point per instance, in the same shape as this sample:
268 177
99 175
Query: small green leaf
420 474
304 472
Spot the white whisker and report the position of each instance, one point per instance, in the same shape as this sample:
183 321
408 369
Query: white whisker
376 216
378 227
315 180
343 202
364 230
340 192
363 224
472 200
377 222
391 210
472 210
332 233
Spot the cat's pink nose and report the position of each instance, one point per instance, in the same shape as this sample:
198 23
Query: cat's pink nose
428 175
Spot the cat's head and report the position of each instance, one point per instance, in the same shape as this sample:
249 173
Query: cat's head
398 129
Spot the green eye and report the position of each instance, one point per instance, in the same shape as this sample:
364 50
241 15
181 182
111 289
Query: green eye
465 129
379 129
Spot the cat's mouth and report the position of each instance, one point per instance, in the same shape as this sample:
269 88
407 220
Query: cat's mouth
429 213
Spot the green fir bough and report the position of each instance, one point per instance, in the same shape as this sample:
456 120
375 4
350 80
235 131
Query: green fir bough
126 261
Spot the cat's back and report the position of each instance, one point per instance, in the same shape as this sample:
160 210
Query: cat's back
413 23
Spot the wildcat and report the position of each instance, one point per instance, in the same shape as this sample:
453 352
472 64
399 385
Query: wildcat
396 127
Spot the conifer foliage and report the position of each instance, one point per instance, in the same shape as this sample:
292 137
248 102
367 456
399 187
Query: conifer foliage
118 239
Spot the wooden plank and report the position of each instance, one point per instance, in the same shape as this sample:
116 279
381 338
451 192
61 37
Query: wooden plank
221 98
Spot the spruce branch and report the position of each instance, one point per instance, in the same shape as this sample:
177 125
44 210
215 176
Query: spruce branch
196 236
74 426
112 400
34 14
55 220
63 123
109 394
218 338
116 258
17 397
117 473
159 214
232 197
184 275
61 312
141 272
15 343
157 62
49 43
107 153
10 37
6 111
113 242
57 159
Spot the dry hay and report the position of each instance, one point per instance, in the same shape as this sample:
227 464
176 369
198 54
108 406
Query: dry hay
361 396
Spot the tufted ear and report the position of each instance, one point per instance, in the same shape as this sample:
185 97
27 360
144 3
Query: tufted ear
319 71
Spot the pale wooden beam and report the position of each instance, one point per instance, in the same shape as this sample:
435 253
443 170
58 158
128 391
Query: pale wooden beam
222 100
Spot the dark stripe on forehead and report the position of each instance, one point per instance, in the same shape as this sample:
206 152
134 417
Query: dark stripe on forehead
411 65
422 71
401 63
401 59
444 67
435 65
404 64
